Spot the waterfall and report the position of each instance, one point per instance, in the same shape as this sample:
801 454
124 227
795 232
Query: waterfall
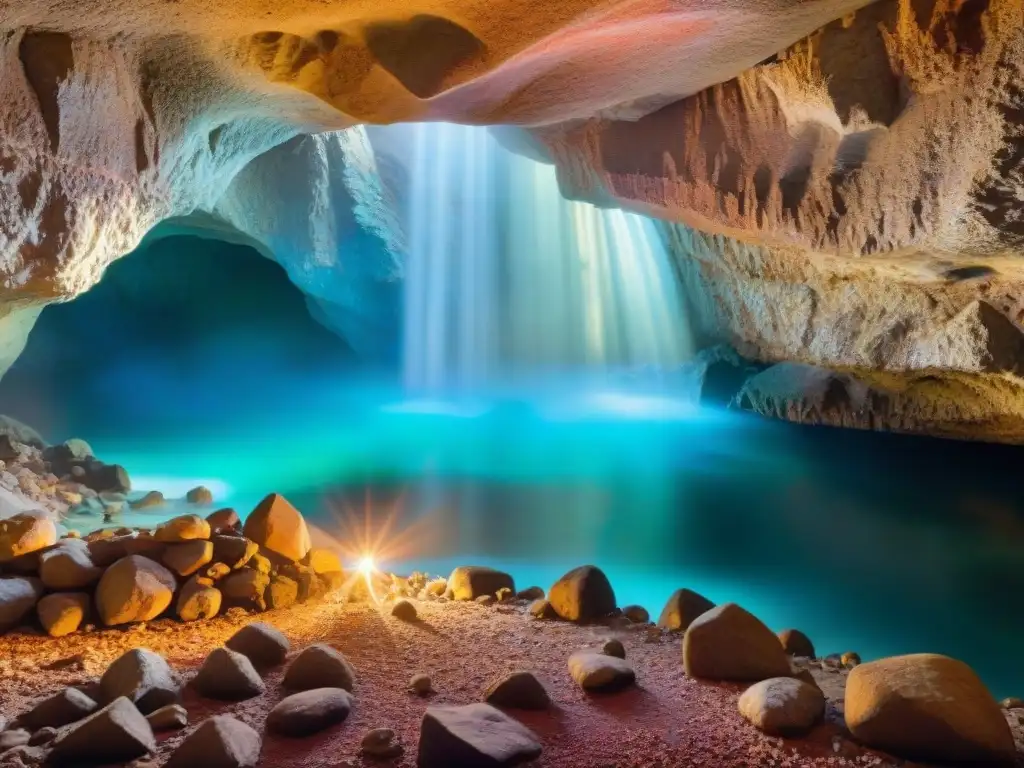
505 277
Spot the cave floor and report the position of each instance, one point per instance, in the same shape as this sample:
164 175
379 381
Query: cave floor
667 721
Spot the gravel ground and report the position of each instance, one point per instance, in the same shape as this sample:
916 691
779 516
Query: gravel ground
667 721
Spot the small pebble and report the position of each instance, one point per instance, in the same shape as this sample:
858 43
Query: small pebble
420 684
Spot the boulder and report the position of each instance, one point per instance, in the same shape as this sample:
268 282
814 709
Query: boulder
261 643
796 643
541 609
143 677
600 672
473 736
282 592
382 744
233 551
106 477
224 520
63 708
614 647
149 501
117 733
69 565
309 712
18 596
277 525
200 495
637 614
782 706
187 558
468 582
323 561
134 588
245 587
107 551
62 613
198 599
683 606
518 690
24 533
319 666
219 742
404 610
182 528
530 593
728 643
583 594
228 676
169 718
927 707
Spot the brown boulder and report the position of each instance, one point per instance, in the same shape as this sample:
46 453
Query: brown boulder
18 596
198 599
600 672
283 592
182 528
228 676
583 594
224 520
782 706
262 644
69 565
323 561
279 527
796 643
143 677
927 707
319 666
468 582
518 690
234 551
308 712
683 606
245 587
62 613
220 742
728 643
187 558
24 533
200 495
134 588
473 736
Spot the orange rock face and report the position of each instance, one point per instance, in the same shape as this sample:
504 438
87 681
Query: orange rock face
278 526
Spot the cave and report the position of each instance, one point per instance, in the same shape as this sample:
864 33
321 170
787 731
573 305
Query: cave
605 383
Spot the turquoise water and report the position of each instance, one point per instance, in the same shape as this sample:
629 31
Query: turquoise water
192 366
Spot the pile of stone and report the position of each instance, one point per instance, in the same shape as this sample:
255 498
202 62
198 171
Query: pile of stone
190 567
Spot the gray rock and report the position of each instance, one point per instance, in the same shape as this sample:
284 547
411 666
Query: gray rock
220 742
782 706
599 672
228 676
309 712
18 596
583 594
169 718
68 566
143 677
319 666
473 736
381 743
468 582
116 733
518 690
264 645
67 706
15 737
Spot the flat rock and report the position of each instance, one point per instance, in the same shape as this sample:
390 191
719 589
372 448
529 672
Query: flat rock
143 677
18 596
518 690
600 672
68 566
309 712
187 558
782 706
796 643
279 527
169 718
222 520
404 610
62 613
228 676
319 666
198 599
219 742
233 551
182 528
927 707
116 733
262 644
24 533
468 582
682 607
729 643
583 594
62 708
134 588
473 736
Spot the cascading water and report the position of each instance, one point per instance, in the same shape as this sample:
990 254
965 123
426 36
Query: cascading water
506 276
